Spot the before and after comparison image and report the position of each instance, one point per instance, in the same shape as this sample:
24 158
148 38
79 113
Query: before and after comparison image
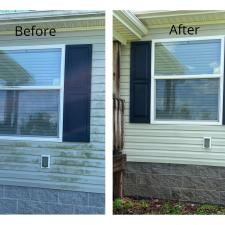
168 112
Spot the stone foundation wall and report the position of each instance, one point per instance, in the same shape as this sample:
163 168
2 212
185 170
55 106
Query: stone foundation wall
203 184
28 200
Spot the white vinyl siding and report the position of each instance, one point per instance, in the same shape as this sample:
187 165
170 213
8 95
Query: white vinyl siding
170 143
74 166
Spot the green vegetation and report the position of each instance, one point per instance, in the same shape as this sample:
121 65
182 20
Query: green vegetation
117 204
157 206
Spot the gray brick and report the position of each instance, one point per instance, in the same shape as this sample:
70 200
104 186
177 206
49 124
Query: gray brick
136 167
144 179
15 192
129 178
166 180
145 191
203 183
183 194
222 197
161 168
8 206
84 210
160 180
160 192
72 197
97 200
205 196
96 210
209 171
44 195
130 190
51 208
1 191
222 172
184 170
81 210
30 207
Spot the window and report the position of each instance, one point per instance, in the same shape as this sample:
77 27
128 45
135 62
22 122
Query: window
31 86
187 81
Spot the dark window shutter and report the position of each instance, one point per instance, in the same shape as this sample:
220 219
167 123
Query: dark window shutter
140 82
77 93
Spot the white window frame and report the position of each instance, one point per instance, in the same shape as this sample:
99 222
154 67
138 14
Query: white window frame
59 87
157 77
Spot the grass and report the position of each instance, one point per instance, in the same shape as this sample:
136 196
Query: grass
160 207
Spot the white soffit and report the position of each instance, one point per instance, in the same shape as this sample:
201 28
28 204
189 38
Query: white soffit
127 27
63 21
161 19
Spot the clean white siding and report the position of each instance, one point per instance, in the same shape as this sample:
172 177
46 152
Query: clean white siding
74 166
170 143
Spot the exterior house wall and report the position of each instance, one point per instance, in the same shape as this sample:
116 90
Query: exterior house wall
76 167
165 146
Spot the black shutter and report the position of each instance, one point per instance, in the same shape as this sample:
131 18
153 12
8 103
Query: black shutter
77 93
140 82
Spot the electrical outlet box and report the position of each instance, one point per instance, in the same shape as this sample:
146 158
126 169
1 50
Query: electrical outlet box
45 161
207 142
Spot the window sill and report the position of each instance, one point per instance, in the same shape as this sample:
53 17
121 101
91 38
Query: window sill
186 123
24 138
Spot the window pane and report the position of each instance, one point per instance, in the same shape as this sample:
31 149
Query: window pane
33 113
187 99
187 57
30 67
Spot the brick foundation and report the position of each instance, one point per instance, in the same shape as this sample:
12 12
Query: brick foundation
202 184
28 200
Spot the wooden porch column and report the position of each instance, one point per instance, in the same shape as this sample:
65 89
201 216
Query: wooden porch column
118 114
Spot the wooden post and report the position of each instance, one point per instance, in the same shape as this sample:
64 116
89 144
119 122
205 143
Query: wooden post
116 68
118 125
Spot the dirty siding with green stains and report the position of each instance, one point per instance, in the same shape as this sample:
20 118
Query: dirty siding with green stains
74 166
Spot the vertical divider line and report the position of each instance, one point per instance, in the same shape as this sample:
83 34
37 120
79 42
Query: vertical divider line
108 111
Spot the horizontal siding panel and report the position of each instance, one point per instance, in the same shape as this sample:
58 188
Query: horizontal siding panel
54 169
53 185
98 79
98 130
217 162
97 96
176 127
98 138
76 34
97 121
98 104
52 40
167 133
53 177
54 160
177 154
70 153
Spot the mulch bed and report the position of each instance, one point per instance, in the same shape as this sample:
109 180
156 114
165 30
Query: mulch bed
159 207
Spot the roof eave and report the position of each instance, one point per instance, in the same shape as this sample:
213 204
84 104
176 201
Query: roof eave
130 23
